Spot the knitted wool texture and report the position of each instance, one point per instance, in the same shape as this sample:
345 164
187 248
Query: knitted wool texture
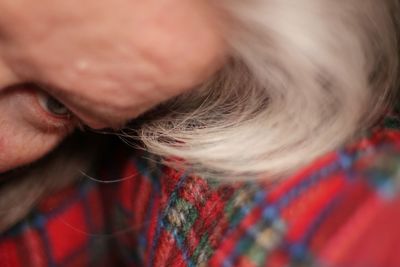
333 213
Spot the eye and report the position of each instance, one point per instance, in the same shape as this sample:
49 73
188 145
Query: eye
53 106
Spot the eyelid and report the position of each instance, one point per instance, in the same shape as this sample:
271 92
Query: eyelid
80 122
46 119
82 116
43 97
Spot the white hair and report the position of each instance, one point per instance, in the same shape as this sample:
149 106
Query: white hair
304 77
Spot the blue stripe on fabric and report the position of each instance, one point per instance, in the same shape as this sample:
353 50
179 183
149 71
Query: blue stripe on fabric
142 234
181 245
257 199
154 177
319 219
32 222
46 241
160 223
346 162
38 221
271 211
89 245
81 194
269 216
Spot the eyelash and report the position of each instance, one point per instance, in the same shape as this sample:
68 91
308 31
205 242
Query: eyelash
45 102
46 119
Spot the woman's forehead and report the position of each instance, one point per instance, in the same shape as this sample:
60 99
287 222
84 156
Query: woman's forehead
120 56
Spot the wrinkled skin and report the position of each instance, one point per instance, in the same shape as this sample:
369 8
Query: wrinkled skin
107 61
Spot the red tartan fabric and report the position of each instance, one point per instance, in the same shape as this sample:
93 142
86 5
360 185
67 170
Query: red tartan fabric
341 211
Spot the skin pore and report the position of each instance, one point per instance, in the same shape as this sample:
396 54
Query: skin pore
106 61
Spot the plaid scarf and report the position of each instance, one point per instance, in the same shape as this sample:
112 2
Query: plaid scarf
341 211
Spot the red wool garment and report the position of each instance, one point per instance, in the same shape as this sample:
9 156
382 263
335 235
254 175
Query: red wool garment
341 211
